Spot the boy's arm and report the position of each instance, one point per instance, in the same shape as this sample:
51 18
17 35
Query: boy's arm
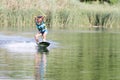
35 19
43 17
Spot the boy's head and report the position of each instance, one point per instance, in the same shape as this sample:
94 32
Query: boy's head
40 19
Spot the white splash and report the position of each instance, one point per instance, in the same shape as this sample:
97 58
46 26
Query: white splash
18 44
23 47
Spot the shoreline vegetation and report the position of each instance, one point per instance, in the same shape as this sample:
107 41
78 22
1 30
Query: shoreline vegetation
60 14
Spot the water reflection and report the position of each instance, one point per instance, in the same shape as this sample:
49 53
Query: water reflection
83 56
40 63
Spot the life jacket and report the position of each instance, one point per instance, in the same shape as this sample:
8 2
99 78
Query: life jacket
41 27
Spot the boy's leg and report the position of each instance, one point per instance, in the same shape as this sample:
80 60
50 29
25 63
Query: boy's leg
37 37
44 36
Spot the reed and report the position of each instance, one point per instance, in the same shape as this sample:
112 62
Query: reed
60 14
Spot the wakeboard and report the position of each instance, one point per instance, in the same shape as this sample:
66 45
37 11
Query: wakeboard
43 44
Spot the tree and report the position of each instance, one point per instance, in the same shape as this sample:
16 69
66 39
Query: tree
101 1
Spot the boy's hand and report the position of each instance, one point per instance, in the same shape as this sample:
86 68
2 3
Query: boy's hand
35 17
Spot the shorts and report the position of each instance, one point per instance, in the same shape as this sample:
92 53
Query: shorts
42 32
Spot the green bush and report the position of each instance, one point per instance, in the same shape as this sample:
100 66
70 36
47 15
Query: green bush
114 1
99 18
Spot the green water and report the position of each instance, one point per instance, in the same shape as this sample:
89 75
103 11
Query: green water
78 56
85 56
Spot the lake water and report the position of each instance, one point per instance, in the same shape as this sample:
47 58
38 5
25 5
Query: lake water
81 55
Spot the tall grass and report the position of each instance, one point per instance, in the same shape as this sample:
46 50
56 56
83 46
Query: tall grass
60 14
18 14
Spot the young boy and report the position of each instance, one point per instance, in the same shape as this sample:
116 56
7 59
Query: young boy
42 30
